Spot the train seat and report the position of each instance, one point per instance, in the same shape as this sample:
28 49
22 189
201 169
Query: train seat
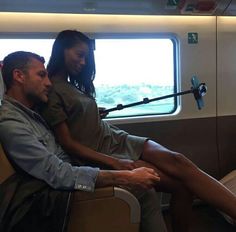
107 209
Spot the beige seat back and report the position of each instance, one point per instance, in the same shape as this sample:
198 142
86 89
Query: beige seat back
6 169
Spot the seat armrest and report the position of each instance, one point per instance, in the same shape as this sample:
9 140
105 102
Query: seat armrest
131 200
107 209
98 193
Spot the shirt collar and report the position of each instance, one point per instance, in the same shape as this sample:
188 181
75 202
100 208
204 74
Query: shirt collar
29 111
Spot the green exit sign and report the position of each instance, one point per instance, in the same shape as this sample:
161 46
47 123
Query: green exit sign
192 38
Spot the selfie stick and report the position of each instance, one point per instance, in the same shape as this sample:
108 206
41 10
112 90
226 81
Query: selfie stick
197 89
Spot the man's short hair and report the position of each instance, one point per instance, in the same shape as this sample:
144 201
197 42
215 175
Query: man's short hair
17 60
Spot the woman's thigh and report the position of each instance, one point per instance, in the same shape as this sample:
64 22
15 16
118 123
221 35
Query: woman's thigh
167 183
169 162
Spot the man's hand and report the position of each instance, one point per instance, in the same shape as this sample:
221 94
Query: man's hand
139 178
144 178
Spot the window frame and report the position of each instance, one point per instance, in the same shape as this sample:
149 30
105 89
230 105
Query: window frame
157 35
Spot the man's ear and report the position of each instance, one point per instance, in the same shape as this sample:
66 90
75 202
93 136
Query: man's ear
18 76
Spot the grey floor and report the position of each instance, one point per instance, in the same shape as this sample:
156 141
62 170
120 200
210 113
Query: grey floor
205 219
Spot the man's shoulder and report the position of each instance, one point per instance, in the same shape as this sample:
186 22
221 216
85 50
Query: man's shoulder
11 122
9 112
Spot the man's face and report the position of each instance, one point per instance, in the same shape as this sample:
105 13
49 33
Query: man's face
36 83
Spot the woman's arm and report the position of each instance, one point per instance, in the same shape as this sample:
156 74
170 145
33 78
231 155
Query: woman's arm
72 146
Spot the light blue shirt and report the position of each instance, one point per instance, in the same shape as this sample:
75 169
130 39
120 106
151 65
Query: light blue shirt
31 145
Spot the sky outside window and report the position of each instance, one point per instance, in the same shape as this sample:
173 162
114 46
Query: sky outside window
134 61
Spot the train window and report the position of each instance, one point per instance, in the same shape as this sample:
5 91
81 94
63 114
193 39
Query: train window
42 47
127 71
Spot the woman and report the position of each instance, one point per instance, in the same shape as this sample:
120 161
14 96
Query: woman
73 114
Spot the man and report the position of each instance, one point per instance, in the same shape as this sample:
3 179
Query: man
32 148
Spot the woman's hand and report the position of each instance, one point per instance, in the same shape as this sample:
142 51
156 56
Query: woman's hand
123 164
101 112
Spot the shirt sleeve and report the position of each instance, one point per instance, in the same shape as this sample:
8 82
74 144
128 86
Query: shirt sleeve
27 152
54 112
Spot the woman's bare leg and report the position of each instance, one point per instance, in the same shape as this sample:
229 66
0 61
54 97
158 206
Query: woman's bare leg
198 182
181 199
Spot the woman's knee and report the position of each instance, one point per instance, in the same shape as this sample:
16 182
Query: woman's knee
158 155
180 159
183 165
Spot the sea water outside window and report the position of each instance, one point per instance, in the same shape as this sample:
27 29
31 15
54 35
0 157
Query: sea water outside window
127 70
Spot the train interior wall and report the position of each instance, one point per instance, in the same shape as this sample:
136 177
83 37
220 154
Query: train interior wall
206 136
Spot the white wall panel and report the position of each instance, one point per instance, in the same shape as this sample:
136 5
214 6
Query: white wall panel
226 65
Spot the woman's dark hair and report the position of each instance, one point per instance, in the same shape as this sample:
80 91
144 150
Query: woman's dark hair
67 39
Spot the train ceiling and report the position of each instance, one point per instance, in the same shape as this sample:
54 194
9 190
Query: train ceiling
132 7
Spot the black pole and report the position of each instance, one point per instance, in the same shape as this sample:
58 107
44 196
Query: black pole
198 90
146 101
